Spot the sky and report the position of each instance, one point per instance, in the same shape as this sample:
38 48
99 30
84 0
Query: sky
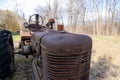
27 6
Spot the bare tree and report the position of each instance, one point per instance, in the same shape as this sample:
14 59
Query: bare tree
20 16
70 13
113 12
76 14
96 6
111 16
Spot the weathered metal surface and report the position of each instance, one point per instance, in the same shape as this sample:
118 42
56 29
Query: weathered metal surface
60 27
35 71
25 36
63 42
65 56
51 20
50 23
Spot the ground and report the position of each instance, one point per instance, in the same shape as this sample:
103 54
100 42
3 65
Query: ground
23 68
105 59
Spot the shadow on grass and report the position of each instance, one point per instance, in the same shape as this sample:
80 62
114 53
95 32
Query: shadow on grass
101 69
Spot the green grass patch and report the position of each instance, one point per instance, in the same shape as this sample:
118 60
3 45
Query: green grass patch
16 38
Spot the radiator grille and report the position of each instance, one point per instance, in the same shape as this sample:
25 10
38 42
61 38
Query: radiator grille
67 67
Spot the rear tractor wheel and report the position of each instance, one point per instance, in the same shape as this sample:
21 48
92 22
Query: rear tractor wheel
6 54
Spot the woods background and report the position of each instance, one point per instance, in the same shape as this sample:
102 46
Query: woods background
97 17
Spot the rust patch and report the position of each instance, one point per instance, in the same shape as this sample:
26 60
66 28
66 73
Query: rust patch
25 34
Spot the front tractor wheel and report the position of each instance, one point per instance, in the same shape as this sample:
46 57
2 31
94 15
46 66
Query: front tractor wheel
6 54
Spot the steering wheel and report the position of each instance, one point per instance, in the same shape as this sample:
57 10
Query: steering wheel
37 20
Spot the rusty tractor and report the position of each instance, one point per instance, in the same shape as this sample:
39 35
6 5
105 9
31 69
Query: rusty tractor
57 54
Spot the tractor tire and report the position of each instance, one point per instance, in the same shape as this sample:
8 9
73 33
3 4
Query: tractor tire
5 54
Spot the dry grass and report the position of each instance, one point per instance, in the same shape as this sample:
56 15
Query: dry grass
105 60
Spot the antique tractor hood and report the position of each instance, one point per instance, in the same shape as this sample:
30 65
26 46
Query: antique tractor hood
56 41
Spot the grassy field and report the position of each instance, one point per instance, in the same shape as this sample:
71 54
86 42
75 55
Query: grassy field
105 60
